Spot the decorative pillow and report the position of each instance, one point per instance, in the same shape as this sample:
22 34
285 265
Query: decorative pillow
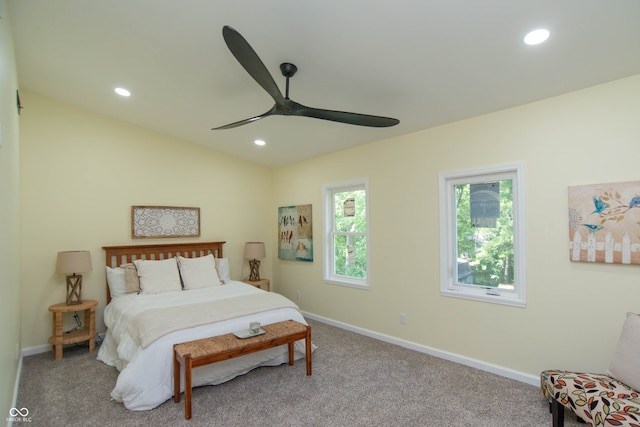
624 365
198 272
158 276
131 279
224 272
116 282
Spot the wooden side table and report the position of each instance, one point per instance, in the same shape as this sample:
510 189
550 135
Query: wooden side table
259 283
88 333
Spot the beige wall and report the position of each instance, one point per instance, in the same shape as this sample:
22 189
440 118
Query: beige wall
81 173
9 223
574 311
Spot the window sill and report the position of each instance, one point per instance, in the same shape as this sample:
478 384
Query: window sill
500 298
347 283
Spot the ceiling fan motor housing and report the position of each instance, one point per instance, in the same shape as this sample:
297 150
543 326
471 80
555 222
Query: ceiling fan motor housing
288 69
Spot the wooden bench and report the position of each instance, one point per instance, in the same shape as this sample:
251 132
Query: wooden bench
215 349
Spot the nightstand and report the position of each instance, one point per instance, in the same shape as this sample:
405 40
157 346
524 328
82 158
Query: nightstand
259 283
88 333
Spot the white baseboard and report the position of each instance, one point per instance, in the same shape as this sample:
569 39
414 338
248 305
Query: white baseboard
30 351
463 360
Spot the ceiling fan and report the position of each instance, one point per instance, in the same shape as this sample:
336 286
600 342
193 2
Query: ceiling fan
284 106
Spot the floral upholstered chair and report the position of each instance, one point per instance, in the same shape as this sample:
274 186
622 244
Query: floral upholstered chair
601 400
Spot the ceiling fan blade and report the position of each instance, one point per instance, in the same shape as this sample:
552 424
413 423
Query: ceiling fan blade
344 117
247 121
251 62
284 106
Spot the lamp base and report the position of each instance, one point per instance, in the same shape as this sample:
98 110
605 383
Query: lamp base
74 289
254 264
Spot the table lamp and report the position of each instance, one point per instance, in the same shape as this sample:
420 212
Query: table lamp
71 263
253 251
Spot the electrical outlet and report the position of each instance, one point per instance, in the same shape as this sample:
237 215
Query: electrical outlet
297 295
403 318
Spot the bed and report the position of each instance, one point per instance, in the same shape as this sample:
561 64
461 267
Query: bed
144 323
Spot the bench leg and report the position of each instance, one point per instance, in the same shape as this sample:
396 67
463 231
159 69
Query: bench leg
176 378
557 413
290 345
308 350
187 387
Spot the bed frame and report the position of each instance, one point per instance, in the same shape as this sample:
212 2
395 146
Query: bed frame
118 255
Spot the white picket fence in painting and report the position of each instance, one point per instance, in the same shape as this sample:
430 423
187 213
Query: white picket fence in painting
609 246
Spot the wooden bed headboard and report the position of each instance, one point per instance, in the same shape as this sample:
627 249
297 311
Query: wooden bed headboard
118 255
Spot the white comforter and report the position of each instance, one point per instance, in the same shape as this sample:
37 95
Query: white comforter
146 374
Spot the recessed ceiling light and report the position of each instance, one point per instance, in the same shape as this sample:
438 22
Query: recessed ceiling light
536 36
122 91
259 142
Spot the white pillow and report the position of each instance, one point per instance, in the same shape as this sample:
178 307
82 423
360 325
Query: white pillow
116 282
624 365
224 272
198 272
158 276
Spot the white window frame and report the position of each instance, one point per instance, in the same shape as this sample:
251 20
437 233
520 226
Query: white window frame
448 242
329 275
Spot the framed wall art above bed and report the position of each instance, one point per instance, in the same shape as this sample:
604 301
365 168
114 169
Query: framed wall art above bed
164 221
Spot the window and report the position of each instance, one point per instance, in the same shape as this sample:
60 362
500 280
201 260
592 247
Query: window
482 233
346 226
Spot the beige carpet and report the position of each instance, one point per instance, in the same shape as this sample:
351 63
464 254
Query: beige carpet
357 381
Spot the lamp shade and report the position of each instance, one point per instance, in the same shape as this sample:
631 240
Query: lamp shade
254 250
71 262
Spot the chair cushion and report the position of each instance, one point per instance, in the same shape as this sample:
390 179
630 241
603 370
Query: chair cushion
597 399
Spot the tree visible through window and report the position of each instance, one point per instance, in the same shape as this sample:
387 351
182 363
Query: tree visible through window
482 234
485 243
346 216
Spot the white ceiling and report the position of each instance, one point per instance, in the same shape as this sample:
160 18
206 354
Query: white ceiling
425 62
